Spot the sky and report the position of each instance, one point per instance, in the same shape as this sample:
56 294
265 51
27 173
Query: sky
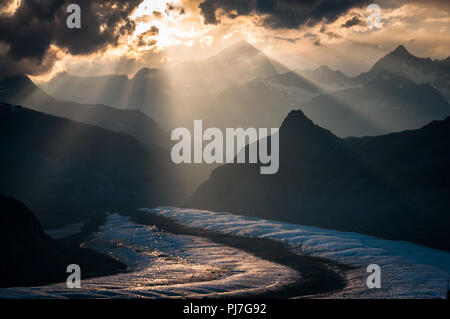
123 36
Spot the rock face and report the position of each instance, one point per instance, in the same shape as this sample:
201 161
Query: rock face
31 258
393 186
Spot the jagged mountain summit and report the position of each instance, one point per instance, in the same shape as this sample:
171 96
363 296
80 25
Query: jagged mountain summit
240 86
394 186
386 103
420 70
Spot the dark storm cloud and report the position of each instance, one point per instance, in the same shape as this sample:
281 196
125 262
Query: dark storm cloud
355 20
36 25
280 13
172 7
144 38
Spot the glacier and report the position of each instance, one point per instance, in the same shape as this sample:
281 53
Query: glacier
408 270
164 265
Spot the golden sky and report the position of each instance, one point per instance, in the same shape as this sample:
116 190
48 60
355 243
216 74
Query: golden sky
168 32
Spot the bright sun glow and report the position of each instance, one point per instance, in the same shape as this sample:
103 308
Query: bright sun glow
174 24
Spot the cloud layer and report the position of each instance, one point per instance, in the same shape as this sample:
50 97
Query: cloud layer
27 36
122 36
279 13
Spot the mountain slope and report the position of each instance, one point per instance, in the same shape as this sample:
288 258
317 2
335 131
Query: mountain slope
239 63
22 91
68 171
30 258
420 70
105 89
333 183
385 104
325 76
253 104
293 79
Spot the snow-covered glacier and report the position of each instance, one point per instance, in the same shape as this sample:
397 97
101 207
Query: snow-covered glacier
407 270
164 265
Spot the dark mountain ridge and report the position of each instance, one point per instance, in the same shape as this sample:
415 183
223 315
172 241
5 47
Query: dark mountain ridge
21 90
393 186
31 258
68 171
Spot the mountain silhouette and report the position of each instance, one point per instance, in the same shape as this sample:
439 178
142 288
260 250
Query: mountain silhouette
393 186
31 258
22 91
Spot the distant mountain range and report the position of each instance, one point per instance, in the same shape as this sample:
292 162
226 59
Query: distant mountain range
226 88
386 103
399 62
31 258
175 96
394 186
68 171
324 77
420 70
120 158
240 86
